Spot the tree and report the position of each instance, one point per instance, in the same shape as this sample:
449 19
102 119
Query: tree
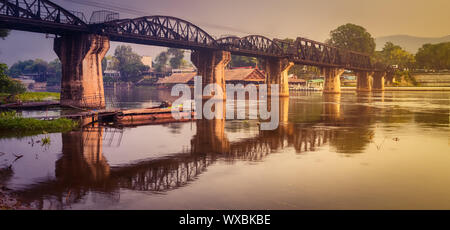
55 72
434 56
37 66
130 64
4 33
160 63
177 57
20 67
242 61
394 55
41 68
352 37
304 72
110 63
8 85
104 64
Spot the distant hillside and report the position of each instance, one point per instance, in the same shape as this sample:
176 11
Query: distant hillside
409 43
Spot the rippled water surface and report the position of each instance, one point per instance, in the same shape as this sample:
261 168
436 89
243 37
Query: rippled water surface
386 150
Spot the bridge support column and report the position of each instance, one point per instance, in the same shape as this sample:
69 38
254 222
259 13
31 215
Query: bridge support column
378 81
82 79
364 81
277 73
332 82
389 77
211 66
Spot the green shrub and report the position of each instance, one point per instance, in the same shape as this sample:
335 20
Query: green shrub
16 125
38 96
9 85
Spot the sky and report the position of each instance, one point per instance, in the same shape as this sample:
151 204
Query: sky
313 19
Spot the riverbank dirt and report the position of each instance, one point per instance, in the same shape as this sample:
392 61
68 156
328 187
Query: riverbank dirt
9 202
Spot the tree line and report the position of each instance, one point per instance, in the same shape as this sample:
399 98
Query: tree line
130 65
49 72
357 38
171 59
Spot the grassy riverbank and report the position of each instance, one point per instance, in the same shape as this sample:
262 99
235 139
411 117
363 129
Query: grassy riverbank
12 124
28 97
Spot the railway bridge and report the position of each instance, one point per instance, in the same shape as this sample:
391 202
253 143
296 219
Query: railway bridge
81 46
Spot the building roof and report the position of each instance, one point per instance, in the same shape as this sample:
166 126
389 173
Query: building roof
242 74
177 78
253 75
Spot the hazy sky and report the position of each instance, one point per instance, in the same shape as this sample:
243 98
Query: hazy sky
312 19
291 18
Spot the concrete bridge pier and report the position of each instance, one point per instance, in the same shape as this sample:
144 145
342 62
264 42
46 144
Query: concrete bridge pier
82 79
378 81
364 81
211 66
277 73
332 82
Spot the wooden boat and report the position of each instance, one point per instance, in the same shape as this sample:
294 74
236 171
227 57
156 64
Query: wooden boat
149 116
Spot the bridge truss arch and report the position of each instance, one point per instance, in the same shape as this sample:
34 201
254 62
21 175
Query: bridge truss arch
159 30
252 45
39 16
309 52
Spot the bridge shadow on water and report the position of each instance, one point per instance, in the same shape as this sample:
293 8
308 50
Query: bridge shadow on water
82 167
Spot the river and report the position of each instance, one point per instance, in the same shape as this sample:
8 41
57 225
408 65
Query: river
387 150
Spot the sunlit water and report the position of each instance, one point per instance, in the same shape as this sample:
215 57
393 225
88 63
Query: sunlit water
371 151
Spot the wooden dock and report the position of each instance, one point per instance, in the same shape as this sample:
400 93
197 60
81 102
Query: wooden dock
132 117
30 105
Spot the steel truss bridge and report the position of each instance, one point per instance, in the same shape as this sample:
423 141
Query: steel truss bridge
44 16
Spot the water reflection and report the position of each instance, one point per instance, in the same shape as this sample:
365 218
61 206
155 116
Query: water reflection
346 124
82 167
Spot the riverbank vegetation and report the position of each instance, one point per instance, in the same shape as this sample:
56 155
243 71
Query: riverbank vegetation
431 57
38 96
12 124
9 85
43 71
434 56
12 90
28 97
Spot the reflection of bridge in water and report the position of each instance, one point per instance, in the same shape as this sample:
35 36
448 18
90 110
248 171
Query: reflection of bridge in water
82 168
